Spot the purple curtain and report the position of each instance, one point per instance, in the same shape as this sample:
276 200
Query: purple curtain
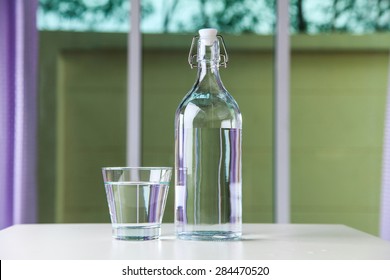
385 195
18 118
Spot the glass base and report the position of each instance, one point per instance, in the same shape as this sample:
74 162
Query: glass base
149 232
210 235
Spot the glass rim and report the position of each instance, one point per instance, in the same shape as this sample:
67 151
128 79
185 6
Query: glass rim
137 168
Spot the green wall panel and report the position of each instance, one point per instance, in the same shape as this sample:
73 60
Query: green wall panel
337 119
91 131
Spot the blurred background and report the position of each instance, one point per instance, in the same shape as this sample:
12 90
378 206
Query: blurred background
339 77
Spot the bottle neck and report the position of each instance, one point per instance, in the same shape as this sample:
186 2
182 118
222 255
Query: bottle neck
208 79
207 70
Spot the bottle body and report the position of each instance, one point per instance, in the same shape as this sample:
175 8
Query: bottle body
208 203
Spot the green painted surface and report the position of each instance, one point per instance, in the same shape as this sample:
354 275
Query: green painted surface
91 131
52 46
337 118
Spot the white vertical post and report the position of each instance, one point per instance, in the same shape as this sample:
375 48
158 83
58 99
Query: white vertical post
134 65
282 115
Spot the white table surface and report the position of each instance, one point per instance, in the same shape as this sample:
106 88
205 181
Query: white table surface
260 241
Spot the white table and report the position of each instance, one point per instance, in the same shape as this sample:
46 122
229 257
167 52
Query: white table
260 241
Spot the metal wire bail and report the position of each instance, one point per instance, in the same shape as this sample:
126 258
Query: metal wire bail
223 57
193 55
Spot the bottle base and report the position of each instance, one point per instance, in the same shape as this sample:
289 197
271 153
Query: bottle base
210 235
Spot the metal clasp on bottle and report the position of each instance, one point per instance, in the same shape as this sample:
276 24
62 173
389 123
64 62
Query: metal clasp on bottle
193 55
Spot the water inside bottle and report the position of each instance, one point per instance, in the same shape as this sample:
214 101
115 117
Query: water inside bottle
208 200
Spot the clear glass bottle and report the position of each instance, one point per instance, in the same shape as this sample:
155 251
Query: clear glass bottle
208 202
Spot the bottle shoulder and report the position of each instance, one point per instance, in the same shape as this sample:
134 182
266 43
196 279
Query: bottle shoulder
206 100
209 110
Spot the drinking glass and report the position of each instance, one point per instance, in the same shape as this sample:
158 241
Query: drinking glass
136 199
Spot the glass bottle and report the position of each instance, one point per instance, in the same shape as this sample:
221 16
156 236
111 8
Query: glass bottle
208 202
